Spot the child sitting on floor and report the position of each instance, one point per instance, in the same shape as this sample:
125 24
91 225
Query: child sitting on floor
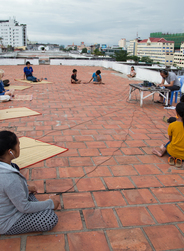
96 77
175 146
74 79
28 70
2 90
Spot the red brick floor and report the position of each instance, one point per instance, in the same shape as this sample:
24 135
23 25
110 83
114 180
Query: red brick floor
128 199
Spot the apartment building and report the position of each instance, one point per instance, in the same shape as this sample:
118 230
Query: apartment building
179 56
158 49
13 33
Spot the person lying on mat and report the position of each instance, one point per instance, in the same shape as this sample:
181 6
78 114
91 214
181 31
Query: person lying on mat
173 83
28 70
2 90
175 146
20 211
96 77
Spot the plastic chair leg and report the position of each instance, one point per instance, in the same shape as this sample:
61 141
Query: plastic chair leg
171 98
176 97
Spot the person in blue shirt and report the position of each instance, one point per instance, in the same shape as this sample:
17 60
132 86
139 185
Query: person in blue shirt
28 70
2 90
96 77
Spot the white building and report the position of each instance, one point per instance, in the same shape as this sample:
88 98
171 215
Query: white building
122 43
179 56
158 49
13 33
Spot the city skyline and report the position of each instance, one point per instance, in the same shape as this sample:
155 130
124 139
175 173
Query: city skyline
95 21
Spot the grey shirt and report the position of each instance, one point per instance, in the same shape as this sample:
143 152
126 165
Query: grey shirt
14 198
172 77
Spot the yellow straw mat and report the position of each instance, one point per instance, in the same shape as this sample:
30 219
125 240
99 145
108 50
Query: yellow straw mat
17 87
16 113
33 83
33 151
23 97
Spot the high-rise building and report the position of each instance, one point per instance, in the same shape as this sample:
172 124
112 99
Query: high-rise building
178 38
13 33
179 56
122 43
158 49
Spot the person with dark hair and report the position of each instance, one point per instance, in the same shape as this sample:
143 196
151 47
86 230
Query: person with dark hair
175 146
132 73
20 211
28 70
96 77
74 79
173 83
172 119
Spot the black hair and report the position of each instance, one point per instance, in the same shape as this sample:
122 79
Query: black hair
27 62
182 98
74 70
132 67
180 110
8 140
98 72
164 71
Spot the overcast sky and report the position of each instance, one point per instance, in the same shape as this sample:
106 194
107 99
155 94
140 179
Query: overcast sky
94 21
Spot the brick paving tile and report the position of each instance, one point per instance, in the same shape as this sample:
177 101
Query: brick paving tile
115 144
154 142
88 241
168 194
149 159
131 151
109 199
39 184
139 196
43 173
46 243
57 161
61 185
181 205
110 151
70 172
68 221
96 144
128 239
80 161
125 160
100 218
90 184
89 152
10 244
145 169
134 216
101 171
123 170
165 237
77 200
166 213
135 143
171 180
146 181
118 183
181 226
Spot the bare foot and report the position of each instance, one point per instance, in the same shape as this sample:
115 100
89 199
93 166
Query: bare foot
158 153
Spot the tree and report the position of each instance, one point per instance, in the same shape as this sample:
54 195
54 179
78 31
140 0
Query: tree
135 58
121 55
147 60
84 50
97 52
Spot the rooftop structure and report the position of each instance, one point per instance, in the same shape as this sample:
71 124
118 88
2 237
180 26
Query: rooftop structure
133 200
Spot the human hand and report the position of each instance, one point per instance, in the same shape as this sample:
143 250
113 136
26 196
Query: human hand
55 201
32 189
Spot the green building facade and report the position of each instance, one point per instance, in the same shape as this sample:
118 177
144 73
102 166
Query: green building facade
178 38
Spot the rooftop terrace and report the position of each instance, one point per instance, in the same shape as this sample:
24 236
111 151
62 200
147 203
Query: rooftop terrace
129 199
